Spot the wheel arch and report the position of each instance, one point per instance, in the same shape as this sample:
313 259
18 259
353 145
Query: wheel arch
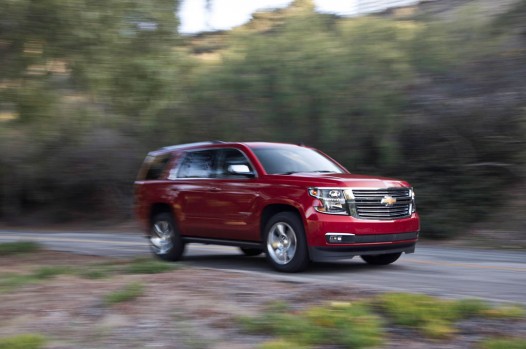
273 209
157 208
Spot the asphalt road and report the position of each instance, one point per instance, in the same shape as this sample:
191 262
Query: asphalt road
441 271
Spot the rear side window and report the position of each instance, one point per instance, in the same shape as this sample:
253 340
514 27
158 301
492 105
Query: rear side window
198 164
154 166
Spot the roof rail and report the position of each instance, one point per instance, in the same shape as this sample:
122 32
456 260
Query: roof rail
178 146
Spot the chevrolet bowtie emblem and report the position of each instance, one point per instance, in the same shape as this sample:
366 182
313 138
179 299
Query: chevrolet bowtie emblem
388 200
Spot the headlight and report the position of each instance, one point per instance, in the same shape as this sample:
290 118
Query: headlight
413 202
333 201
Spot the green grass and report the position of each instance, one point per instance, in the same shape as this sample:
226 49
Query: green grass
281 344
359 325
11 281
19 247
494 343
436 317
125 294
23 341
148 266
505 312
348 325
97 271
431 315
136 266
49 272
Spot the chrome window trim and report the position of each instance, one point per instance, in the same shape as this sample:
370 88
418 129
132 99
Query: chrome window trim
174 172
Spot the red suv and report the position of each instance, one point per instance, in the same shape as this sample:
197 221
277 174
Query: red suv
291 202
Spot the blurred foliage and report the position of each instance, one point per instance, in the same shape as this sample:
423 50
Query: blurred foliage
149 266
346 325
124 294
503 343
436 317
23 341
19 247
87 88
362 324
11 281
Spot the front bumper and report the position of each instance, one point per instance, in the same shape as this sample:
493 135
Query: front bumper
320 254
341 237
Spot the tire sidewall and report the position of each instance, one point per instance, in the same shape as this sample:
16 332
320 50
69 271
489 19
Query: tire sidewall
300 260
176 251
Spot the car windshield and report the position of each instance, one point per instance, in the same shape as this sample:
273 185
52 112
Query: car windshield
289 160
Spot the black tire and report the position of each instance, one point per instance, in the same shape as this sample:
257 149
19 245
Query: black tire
165 239
381 259
285 244
251 252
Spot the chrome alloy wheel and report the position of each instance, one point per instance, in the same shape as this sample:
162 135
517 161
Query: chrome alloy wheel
161 238
282 243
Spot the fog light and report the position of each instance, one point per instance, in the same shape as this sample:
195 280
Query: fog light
335 238
339 238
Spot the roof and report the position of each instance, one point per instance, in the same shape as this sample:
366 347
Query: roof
175 147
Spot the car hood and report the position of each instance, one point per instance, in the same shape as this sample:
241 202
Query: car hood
343 180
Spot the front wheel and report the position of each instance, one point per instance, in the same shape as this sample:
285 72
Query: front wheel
165 240
285 243
381 259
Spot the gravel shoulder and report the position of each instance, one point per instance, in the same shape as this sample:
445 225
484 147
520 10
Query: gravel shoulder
184 308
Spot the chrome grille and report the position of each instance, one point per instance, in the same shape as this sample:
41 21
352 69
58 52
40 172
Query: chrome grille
369 203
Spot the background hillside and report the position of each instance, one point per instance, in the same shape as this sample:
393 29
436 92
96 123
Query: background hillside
434 94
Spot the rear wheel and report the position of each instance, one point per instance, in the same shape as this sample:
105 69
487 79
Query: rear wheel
165 240
381 259
251 251
285 243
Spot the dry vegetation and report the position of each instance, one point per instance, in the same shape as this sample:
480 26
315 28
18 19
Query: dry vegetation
94 302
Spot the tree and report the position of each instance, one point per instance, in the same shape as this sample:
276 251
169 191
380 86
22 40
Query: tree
72 70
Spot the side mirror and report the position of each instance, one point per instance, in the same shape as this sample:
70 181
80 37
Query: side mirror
240 170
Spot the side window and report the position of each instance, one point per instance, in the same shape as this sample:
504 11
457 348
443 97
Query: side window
232 157
153 167
198 164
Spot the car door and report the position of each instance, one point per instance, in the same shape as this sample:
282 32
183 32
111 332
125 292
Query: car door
234 204
191 190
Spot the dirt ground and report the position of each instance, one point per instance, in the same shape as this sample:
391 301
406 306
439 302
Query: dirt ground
184 308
